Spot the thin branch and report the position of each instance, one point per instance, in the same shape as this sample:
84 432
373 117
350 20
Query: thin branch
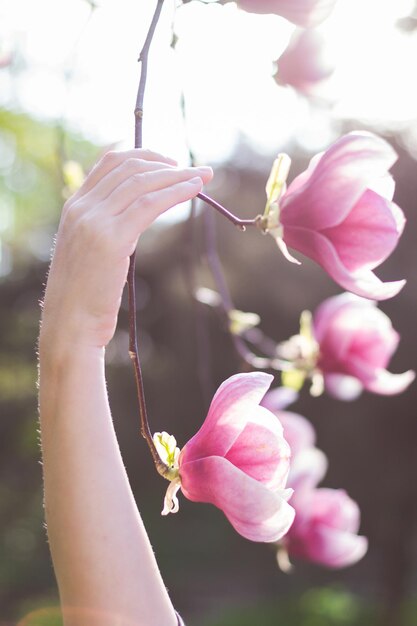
133 341
227 305
208 1
210 238
227 214
258 339
212 257
143 60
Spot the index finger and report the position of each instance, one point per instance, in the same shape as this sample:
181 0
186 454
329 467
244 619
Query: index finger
113 159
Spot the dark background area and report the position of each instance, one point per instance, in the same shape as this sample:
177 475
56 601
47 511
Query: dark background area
215 577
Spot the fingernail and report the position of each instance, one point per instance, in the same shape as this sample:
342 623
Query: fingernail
195 181
205 168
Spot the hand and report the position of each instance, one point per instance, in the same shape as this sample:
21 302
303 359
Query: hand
99 230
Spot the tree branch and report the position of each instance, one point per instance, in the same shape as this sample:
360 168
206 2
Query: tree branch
133 341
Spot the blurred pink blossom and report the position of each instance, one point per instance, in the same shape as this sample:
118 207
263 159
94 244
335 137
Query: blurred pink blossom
326 520
356 341
325 528
308 463
339 213
304 64
304 13
239 460
5 59
299 432
279 398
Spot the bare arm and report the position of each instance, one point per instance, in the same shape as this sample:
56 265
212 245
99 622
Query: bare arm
103 560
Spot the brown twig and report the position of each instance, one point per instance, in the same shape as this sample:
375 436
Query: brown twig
227 214
255 336
133 341
214 262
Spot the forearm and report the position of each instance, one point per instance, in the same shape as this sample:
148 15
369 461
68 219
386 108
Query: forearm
106 571
101 553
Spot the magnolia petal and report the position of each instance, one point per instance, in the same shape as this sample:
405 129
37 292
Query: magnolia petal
329 308
388 384
380 380
261 451
305 13
299 181
369 233
279 398
369 329
286 494
304 64
398 216
233 405
285 252
384 186
375 344
335 344
308 469
337 182
356 330
255 511
332 548
343 387
298 431
335 509
327 521
318 248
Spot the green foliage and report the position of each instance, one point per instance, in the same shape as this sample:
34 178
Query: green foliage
42 617
327 606
32 156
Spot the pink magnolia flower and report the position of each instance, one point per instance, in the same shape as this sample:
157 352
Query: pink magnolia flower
304 13
299 432
325 528
340 214
308 463
304 64
356 341
279 398
239 461
326 520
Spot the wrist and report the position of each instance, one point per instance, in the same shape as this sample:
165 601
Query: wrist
60 346
65 326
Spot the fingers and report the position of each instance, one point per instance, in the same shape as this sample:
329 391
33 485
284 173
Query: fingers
141 184
143 211
112 160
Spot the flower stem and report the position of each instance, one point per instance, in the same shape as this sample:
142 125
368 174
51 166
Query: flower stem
227 214
213 260
143 60
227 305
133 341
256 337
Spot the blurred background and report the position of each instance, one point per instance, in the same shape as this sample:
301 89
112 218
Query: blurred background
68 78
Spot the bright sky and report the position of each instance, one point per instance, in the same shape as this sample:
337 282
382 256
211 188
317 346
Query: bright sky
223 62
